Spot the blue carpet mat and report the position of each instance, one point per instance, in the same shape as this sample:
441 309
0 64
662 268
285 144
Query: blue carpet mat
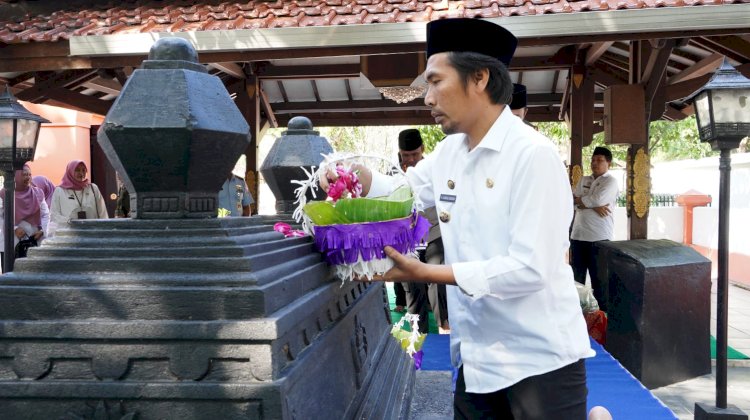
610 385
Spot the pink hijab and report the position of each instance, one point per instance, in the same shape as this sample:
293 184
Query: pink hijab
28 200
69 181
44 184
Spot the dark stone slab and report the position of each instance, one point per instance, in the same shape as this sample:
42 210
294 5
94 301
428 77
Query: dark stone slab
264 332
659 309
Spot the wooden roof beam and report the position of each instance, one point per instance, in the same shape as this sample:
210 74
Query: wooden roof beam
673 114
705 66
654 75
230 68
108 86
339 119
681 90
60 80
717 47
267 109
561 59
596 51
373 105
332 71
78 101
736 44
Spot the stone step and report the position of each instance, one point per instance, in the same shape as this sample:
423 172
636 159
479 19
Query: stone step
214 223
154 297
193 249
161 279
206 232
158 262
112 239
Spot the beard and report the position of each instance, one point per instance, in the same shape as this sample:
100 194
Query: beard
449 128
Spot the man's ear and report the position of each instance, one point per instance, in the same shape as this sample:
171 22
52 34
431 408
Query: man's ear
481 78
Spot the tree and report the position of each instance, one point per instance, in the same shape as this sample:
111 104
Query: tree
677 140
668 140
431 136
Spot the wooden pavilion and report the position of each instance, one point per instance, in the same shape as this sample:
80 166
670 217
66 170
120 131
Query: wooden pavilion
611 65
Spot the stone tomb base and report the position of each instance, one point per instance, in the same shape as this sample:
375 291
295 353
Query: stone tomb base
193 319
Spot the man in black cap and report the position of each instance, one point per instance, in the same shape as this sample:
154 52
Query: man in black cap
502 195
420 295
518 103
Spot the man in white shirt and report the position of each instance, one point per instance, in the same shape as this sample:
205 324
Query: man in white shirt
503 199
595 198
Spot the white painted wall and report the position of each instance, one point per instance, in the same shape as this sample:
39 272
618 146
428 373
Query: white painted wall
706 228
663 223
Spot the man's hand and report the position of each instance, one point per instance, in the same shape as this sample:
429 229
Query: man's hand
38 235
20 233
363 173
405 268
602 211
411 269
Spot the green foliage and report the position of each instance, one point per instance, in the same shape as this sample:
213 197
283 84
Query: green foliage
431 135
677 140
668 141
558 132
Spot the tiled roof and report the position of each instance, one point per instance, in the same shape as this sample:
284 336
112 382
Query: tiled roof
133 16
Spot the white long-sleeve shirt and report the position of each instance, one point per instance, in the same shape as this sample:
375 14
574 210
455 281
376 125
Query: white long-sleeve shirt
595 192
67 203
515 312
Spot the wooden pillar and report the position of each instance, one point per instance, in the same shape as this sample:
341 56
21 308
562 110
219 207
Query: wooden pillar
638 179
248 101
580 118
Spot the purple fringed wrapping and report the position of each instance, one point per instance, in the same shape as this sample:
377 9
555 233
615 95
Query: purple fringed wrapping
343 244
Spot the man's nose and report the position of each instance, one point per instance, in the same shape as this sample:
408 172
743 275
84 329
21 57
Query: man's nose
428 97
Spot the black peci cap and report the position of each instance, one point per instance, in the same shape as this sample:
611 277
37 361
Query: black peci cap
409 140
519 97
470 35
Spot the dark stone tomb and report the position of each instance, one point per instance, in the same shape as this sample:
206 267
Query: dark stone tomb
183 315
659 309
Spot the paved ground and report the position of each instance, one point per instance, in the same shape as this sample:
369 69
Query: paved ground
433 399
682 396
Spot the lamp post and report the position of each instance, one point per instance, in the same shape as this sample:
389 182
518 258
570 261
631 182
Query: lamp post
722 110
19 132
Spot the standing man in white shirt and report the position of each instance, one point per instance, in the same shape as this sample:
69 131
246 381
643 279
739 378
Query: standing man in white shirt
503 199
595 198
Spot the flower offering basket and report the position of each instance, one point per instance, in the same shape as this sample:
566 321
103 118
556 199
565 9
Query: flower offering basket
351 231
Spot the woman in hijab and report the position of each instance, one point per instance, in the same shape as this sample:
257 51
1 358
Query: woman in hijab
76 197
44 184
29 208
48 188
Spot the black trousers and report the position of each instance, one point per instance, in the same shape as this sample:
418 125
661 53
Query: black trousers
582 259
398 289
557 395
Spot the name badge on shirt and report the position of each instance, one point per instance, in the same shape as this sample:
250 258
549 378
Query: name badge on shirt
448 197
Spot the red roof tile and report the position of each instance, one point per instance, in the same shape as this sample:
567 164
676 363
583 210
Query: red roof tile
181 15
